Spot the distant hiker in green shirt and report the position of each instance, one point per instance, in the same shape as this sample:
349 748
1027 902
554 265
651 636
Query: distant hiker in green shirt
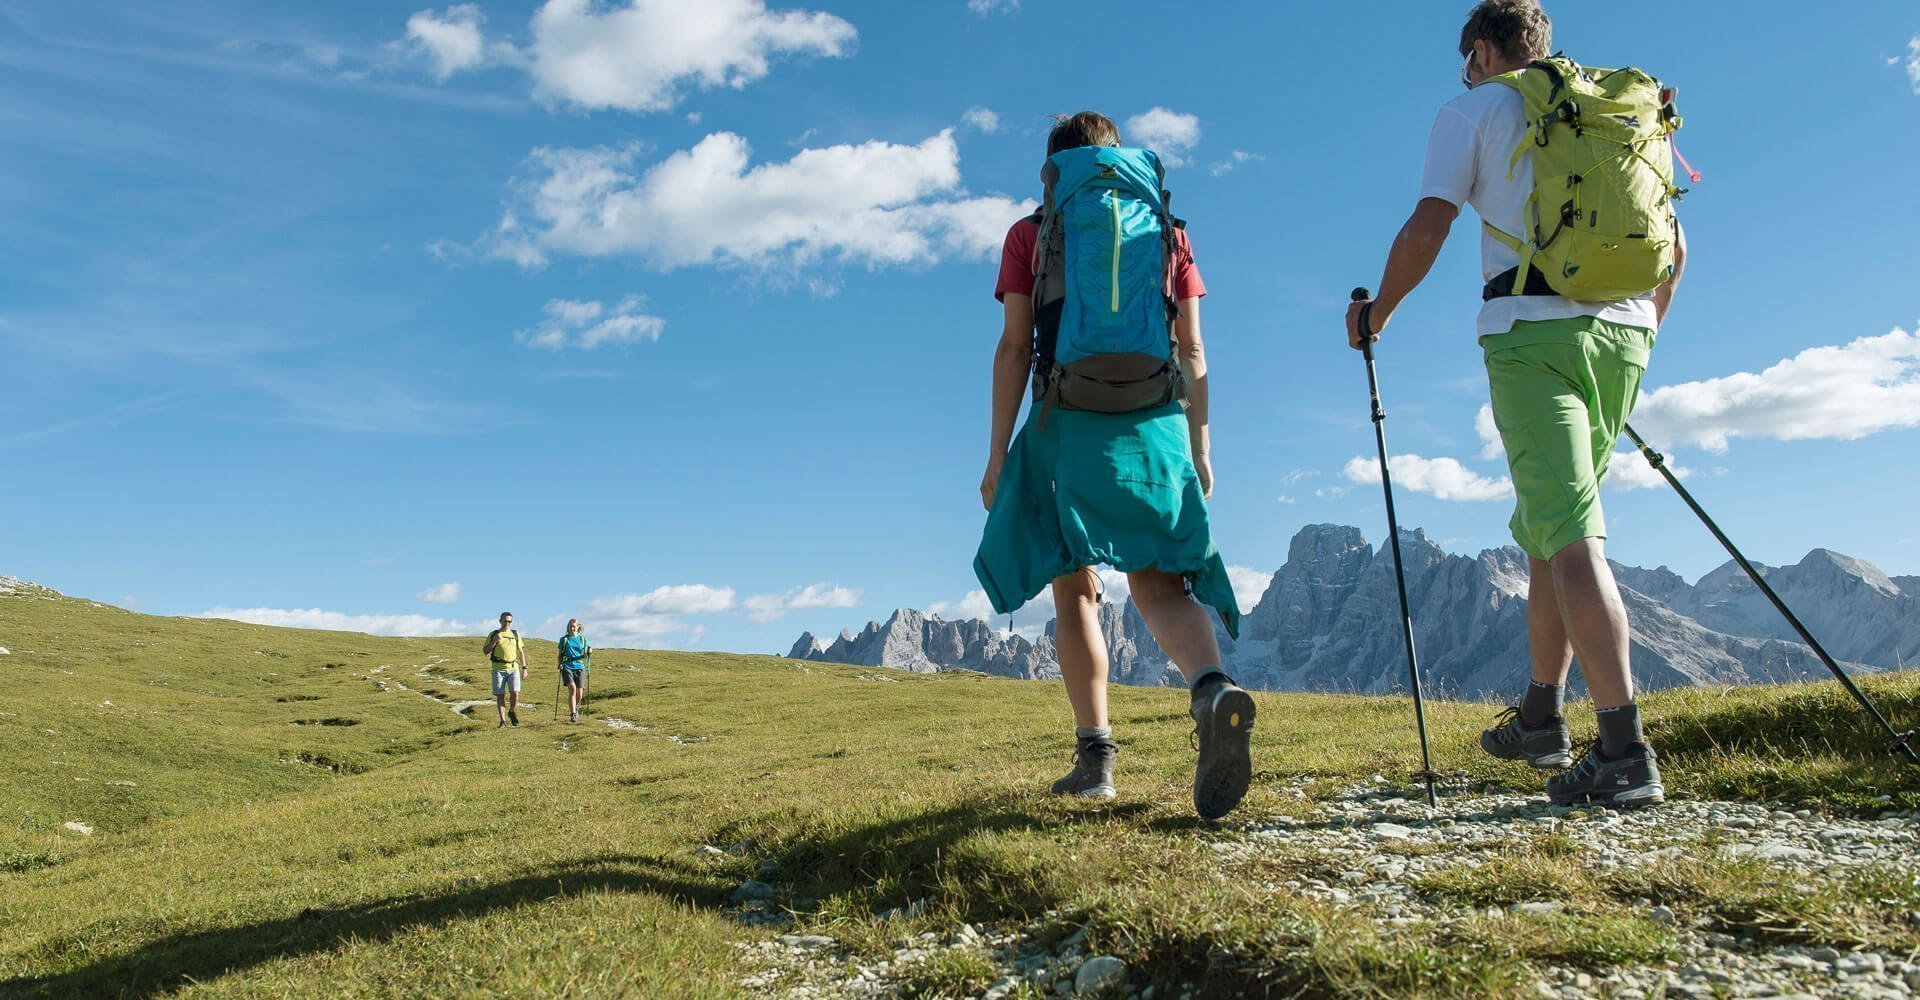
1580 271
574 652
1101 306
509 659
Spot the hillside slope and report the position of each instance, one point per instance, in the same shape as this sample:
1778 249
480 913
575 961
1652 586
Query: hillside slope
211 808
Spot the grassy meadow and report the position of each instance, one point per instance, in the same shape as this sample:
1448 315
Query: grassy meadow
210 808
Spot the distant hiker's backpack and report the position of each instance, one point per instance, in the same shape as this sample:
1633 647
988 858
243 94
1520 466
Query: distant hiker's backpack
1600 224
1103 283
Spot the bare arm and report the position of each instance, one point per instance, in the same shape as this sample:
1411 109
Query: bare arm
1663 296
1412 256
1012 363
1193 365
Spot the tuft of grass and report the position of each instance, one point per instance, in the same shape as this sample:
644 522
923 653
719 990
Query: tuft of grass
948 974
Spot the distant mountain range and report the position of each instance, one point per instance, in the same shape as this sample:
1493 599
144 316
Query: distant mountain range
1329 621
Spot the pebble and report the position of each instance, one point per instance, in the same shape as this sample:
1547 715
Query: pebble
1103 972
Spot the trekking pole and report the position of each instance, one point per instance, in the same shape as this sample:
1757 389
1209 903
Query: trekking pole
557 681
1393 534
586 676
1902 746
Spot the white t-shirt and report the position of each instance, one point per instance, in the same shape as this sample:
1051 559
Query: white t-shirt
1473 140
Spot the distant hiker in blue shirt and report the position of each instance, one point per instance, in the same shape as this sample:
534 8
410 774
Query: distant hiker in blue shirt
1101 303
574 652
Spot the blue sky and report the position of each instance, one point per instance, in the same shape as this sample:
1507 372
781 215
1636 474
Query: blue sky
678 319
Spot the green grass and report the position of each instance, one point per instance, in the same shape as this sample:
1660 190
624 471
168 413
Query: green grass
269 821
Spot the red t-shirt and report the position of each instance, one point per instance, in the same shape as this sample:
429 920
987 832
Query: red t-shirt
1016 263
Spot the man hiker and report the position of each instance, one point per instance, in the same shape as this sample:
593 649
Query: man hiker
1563 371
1101 305
509 660
574 652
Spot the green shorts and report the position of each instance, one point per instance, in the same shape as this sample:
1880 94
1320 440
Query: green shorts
1562 389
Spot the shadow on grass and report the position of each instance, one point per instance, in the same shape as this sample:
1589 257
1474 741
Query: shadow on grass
169 963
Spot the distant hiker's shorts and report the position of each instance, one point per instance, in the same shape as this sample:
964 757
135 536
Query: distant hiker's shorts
1089 489
572 676
1562 389
506 680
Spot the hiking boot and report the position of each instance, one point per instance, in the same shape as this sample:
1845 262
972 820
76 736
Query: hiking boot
575 718
1547 747
513 717
1629 780
1223 733
502 725
1092 774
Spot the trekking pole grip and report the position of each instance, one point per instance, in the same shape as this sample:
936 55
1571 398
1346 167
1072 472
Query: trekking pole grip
1362 294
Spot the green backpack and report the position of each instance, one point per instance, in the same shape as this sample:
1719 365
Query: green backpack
1601 213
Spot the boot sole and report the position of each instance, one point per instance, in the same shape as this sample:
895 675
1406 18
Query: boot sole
1225 768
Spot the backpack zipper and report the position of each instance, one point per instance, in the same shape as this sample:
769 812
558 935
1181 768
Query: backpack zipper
1116 250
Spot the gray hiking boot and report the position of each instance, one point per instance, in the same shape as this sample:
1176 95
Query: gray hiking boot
1223 733
1548 747
1092 774
1632 779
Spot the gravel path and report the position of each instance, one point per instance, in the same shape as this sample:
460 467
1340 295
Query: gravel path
1368 845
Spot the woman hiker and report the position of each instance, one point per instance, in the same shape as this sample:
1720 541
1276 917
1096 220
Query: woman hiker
573 657
1082 485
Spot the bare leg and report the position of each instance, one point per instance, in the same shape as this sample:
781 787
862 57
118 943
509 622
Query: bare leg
1080 646
1178 622
500 705
1595 619
1546 629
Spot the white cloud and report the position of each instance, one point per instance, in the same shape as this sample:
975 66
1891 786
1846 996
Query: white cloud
652 620
1834 393
587 325
1490 444
1629 470
685 599
1237 159
641 57
772 607
1168 133
985 7
875 203
451 38
974 605
1283 498
445 593
336 621
1335 492
1249 585
981 118
1913 63
1444 478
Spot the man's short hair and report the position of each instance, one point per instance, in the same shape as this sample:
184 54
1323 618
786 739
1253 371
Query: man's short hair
1088 128
506 614
1518 28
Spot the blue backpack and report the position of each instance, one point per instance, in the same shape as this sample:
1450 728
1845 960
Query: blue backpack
1103 283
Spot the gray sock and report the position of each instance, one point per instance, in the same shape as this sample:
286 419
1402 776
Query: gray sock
1206 677
1541 702
1619 729
1084 733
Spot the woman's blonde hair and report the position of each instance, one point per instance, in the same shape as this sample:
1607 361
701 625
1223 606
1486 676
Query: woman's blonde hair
573 623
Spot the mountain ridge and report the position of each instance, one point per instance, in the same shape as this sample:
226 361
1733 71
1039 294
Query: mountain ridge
1318 625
